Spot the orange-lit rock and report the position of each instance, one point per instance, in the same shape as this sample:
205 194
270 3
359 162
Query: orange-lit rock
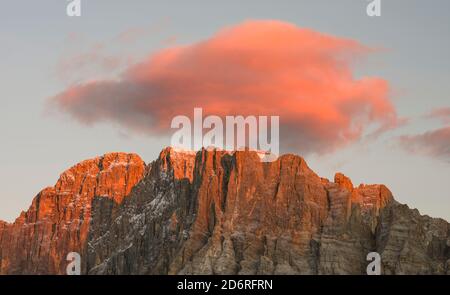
58 219
236 215
218 212
343 181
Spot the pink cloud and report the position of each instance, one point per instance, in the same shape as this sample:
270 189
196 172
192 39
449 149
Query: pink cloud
442 114
94 59
254 68
138 33
435 143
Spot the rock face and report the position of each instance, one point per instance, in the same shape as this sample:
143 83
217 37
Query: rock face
58 219
216 212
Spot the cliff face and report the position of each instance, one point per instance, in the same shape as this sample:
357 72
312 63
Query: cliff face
58 219
215 212
221 213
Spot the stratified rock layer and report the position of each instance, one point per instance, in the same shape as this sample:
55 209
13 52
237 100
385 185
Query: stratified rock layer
216 212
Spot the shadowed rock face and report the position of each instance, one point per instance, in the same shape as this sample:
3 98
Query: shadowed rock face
215 212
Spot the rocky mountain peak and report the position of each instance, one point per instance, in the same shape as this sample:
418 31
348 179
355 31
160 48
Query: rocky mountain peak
179 162
218 212
343 181
59 216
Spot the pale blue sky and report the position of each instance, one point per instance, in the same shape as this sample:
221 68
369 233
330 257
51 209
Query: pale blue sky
37 36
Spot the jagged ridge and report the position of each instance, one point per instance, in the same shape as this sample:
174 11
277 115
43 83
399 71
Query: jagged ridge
215 212
58 219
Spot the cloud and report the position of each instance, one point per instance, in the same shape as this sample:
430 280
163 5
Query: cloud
442 114
93 56
435 143
254 68
85 63
138 33
84 59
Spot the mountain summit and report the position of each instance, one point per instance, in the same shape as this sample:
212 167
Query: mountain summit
215 212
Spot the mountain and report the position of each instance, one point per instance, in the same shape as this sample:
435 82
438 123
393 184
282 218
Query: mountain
58 219
218 212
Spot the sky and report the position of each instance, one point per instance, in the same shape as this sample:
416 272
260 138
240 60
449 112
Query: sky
374 91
